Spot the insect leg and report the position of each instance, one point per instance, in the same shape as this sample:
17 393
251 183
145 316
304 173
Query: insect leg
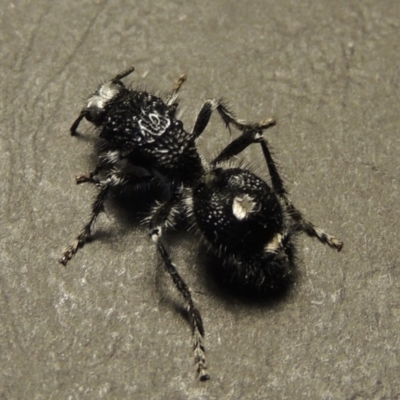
91 176
114 179
82 238
157 222
251 134
171 101
227 116
107 160
302 224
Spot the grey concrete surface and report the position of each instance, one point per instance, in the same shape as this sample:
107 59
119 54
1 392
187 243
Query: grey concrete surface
107 325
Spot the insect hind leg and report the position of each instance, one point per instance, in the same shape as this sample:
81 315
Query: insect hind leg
301 223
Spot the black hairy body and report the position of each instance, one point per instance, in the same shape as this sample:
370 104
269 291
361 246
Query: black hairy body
246 222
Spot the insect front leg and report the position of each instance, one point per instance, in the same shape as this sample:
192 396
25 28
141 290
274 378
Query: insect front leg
107 160
91 177
158 222
114 179
82 238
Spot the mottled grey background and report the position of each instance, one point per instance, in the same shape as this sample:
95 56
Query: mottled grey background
107 326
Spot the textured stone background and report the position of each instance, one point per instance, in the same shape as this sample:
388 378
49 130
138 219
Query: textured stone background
107 326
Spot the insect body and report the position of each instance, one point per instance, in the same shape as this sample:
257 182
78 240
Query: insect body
248 223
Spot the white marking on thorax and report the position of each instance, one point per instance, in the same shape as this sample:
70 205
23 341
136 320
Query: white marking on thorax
153 124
